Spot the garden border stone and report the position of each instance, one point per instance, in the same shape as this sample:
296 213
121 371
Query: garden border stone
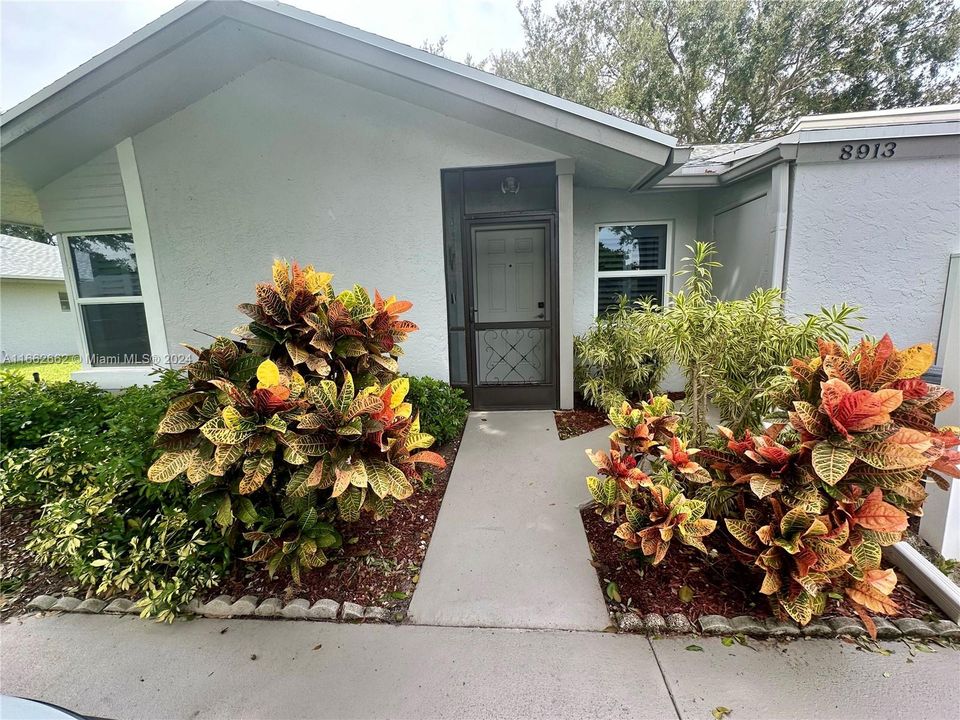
831 627
226 606
326 610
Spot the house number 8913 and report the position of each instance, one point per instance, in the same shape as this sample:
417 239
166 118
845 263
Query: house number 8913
864 151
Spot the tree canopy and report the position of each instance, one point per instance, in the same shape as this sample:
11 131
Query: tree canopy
713 71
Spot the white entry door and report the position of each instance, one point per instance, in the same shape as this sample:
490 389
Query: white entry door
509 275
511 311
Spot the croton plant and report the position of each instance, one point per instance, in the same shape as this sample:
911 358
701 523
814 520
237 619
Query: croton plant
809 504
299 423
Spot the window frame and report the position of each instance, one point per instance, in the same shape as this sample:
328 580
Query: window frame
77 302
666 273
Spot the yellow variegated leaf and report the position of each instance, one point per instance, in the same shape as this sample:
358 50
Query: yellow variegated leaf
268 374
342 482
404 410
763 485
916 360
231 417
350 502
744 532
399 387
297 384
168 466
177 422
770 584
358 474
831 462
379 478
418 440
800 609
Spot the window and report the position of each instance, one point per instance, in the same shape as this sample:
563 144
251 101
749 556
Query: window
64 302
107 283
632 260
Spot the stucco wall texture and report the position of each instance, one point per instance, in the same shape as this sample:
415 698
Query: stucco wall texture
286 162
32 323
878 235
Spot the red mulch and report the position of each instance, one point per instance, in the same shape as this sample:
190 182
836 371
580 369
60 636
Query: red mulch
379 563
574 423
721 585
20 579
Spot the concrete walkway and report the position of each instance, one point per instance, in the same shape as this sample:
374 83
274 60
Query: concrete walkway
122 667
509 549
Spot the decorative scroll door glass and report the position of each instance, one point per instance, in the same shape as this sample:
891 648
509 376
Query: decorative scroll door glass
511 314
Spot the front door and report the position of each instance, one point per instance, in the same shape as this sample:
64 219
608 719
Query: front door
512 313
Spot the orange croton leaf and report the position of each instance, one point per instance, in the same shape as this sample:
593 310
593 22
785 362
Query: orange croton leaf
865 594
429 458
883 581
850 410
880 516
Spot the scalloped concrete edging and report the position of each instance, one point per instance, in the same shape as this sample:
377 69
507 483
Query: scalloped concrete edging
832 627
227 606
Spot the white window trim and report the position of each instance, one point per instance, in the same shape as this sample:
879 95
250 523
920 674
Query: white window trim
666 273
120 376
63 243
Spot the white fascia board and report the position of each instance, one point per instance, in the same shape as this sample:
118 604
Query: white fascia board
930 113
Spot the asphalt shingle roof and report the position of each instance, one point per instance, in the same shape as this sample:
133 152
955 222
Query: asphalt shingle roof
21 258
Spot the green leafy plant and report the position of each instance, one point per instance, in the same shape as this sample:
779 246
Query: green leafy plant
443 409
301 422
33 410
102 523
732 352
619 358
809 503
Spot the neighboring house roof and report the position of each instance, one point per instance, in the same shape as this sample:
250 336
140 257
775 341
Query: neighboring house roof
28 260
197 48
711 165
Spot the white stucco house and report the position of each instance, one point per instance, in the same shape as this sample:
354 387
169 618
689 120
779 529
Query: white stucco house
36 320
175 166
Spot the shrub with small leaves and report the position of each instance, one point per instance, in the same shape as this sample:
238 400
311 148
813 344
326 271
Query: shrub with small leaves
301 422
443 409
32 410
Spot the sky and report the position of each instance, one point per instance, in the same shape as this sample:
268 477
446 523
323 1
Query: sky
41 40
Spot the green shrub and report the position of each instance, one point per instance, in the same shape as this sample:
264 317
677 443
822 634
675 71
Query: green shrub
619 358
301 424
443 409
103 524
115 441
732 352
32 410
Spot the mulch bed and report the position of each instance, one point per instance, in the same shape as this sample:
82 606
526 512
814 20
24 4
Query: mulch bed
585 418
378 565
582 419
721 585
21 580
574 423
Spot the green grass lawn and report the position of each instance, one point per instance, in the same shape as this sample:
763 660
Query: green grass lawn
50 372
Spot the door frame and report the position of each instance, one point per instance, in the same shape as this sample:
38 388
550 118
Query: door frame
514 396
